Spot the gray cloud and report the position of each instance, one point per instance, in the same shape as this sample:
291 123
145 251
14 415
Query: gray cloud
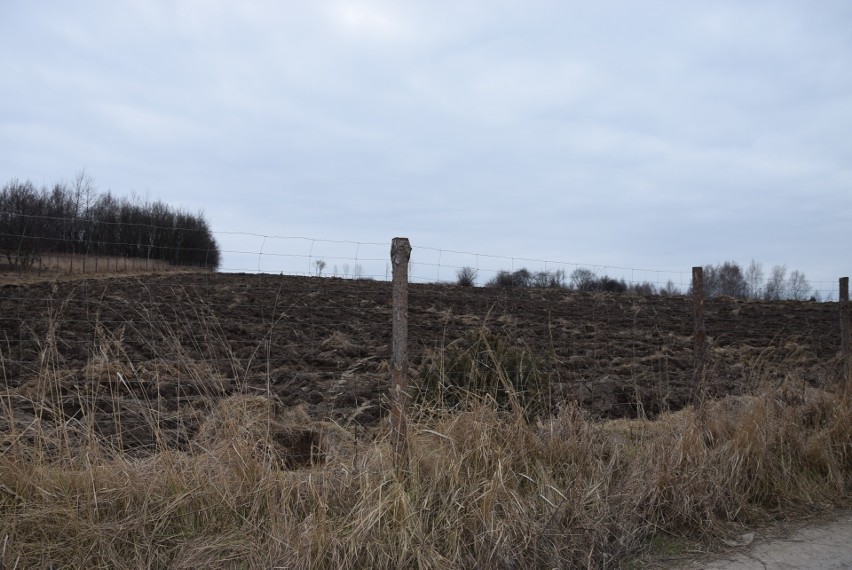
619 133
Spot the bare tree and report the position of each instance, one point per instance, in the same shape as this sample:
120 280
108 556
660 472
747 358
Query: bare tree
548 279
731 280
75 219
82 199
798 287
726 279
754 280
669 289
466 277
319 265
644 288
520 278
776 286
711 281
583 279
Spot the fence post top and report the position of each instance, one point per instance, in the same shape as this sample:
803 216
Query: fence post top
400 245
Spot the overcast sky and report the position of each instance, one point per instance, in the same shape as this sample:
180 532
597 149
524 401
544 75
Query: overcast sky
641 134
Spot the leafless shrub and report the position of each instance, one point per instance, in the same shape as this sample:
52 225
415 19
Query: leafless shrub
319 266
669 289
466 277
643 288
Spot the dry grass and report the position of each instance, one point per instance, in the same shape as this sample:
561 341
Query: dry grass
261 487
51 266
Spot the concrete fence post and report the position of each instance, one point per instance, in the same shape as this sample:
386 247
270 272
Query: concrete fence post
400 256
700 337
845 333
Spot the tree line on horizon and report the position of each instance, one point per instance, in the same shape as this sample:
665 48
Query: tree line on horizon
75 219
726 279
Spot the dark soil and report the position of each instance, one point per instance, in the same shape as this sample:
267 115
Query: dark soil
142 360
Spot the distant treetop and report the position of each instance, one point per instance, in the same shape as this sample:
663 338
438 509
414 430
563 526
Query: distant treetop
73 218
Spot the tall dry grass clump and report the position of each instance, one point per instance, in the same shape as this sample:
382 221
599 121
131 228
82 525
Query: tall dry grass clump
262 486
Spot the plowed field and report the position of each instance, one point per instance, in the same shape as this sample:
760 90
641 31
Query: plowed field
144 359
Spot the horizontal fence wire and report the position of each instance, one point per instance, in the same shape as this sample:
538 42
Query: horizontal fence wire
325 342
151 359
308 321
253 252
341 258
246 252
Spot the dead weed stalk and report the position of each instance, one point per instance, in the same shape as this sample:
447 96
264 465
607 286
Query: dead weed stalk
259 486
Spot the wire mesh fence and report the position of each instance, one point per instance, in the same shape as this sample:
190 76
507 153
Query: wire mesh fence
308 321
295 255
251 370
181 341
86 247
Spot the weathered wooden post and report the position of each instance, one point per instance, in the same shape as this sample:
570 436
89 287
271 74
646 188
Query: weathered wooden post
400 255
845 333
700 337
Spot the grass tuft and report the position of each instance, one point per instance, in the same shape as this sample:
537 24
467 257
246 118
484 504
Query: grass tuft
491 485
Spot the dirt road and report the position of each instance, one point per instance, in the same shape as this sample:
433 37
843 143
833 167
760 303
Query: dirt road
824 545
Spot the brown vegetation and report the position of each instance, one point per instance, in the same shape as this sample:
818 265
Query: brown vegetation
49 267
150 423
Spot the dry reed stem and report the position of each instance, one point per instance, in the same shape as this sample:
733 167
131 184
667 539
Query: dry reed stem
485 490
262 486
